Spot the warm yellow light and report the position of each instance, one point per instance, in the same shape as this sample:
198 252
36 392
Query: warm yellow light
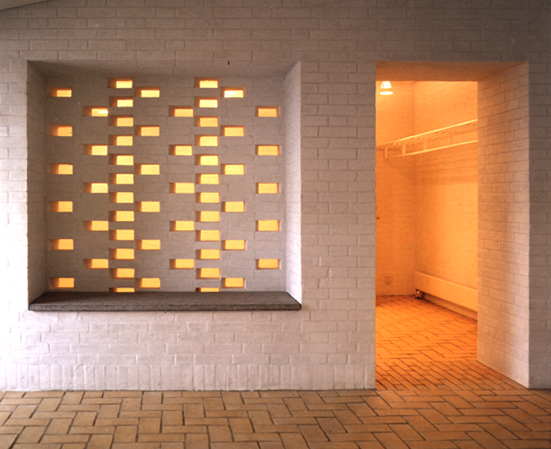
208 216
61 206
97 187
208 178
207 122
123 273
233 283
267 188
208 235
207 289
182 264
123 121
97 225
62 131
97 111
267 225
234 206
121 83
182 187
123 234
122 141
149 131
234 245
122 290
207 159
267 264
267 150
122 215
63 244
122 178
122 102
149 169
182 225
62 282
97 264
207 141
122 159
205 83
233 169
62 169
206 102
97 150
150 283
181 150
122 197
386 88
267 111
149 245
181 111
208 273
233 131
61 92
208 254
149 92
234 92
123 254
208 197
149 206
386 85
386 92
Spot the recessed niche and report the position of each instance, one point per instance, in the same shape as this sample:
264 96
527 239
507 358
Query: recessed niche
207 290
121 83
267 111
97 264
182 264
267 225
122 159
149 283
149 245
207 122
208 197
122 121
206 83
97 187
62 283
233 92
97 225
61 92
267 188
207 103
122 102
234 245
122 234
62 244
181 111
61 131
233 131
208 254
96 111
122 197
208 273
233 169
63 207
233 206
122 178
206 141
149 169
208 216
149 206
61 169
122 290
181 150
182 187
149 92
268 150
123 273
207 159
208 235
149 131
233 283
97 150
122 216
122 253
208 178
122 141
267 264
182 225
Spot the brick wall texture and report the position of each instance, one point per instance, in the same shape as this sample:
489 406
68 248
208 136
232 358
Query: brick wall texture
330 342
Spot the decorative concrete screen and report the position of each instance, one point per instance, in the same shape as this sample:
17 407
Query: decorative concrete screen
165 184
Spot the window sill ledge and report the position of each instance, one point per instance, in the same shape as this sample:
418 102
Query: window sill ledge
163 302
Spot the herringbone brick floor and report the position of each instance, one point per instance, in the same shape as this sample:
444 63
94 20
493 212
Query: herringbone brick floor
431 394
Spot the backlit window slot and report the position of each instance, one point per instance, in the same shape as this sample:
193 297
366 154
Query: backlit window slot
267 225
121 83
206 83
267 111
208 178
122 178
182 187
97 150
233 206
182 225
208 216
268 150
122 215
206 141
122 290
149 131
97 264
149 245
233 131
122 197
182 264
122 159
149 206
122 102
267 188
62 244
61 169
208 254
233 283
149 92
208 197
63 207
234 245
61 131
207 160
96 111
126 235
207 290
97 187
233 169
97 225
61 92
123 273
267 264
122 140
208 235
207 103
149 169
122 121
208 273
122 254
149 283
181 150
207 122
62 283
181 111
233 92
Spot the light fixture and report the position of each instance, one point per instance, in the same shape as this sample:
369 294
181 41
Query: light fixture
386 88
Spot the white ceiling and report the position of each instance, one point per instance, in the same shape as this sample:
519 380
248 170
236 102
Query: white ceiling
6 4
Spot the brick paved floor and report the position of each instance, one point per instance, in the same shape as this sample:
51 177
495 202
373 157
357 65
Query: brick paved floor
431 394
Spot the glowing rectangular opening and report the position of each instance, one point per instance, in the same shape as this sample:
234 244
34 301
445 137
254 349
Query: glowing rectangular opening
122 178
122 159
205 83
182 225
234 245
97 150
97 225
267 111
122 290
182 187
267 225
150 283
63 244
122 141
122 102
121 83
207 141
123 254
233 131
208 197
149 92
123 273
62 282
97 187
181 111
206 102
234 206
234 92
208 216
61 92
123 234
62 131
61 206
208 178
123 121
182 264
208 235
267 150
267 188
267 264
149 169
208 273
61 169
149 131
207 122
149 245
122 197
122 215
149 206
233 169
207 289
97 264
207 159
181 150
208 254
233 283
97 111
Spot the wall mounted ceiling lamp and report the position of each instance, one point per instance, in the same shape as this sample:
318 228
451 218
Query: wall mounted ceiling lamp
386 88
